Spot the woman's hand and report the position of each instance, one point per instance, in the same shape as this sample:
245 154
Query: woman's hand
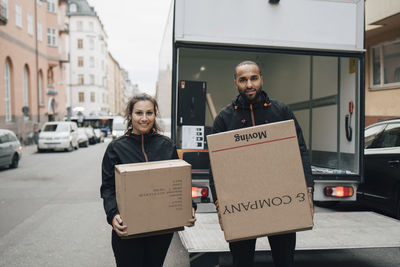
193 219
118 226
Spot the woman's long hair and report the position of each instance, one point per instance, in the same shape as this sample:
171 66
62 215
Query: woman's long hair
131 103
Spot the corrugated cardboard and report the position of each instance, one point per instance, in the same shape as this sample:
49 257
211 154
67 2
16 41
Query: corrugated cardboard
154 196
259 180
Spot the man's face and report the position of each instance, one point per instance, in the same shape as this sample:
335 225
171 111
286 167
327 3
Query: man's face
249 82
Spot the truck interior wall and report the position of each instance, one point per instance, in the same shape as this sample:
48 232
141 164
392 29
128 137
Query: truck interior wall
317 87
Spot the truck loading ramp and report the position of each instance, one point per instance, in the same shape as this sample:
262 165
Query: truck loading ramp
336 230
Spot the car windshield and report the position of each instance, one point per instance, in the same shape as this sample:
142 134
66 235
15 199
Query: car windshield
56 128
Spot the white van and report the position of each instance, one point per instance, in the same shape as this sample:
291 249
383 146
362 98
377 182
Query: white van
118 127
58 135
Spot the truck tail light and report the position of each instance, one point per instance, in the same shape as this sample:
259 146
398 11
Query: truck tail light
339 191
199 191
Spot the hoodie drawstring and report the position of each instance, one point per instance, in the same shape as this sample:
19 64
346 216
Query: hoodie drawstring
144 152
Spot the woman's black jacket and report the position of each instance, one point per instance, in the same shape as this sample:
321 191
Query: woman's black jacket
239 115
130 148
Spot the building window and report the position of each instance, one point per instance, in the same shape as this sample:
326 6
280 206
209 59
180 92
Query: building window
26 86
91 79
102 65
80 43
385 65
73 8
81 96
51 6
39 32
29 20
4 9
92 97
80 61
92 62
79 26
51 37
81 79
7 90
18 15
91 44
91 27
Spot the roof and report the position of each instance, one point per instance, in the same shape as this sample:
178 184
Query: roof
83 9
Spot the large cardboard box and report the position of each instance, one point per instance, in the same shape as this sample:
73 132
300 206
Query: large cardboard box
154 197
259 180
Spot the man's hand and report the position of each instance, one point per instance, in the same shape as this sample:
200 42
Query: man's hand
118 226
219 216
193 219
310 200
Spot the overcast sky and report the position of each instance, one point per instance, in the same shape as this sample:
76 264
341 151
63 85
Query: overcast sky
135 29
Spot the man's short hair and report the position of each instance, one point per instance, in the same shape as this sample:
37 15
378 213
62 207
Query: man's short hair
246 62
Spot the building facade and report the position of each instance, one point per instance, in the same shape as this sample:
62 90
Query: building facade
382 42
88 68
33 57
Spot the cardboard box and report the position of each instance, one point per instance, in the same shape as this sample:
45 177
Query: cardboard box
259 180
154 197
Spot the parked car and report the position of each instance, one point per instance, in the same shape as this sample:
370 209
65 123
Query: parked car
381 187
10 149
90 133
58 135
99 135
83 139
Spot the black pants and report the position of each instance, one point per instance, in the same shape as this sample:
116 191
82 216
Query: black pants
282 249
141 252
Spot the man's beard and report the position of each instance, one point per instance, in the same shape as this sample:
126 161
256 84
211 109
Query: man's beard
254 99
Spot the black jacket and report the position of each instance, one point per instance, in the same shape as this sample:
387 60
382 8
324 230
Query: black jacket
239 115
128 149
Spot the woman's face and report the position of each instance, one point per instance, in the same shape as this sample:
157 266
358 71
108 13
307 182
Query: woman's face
143 117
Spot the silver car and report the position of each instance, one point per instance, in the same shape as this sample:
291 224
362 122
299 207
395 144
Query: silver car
10 149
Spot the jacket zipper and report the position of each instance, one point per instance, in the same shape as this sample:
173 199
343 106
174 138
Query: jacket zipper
144 152
252 115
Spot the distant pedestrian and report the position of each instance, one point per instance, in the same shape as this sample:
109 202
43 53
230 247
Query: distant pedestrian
141 143
253 107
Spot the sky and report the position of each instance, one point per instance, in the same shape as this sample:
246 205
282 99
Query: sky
135 29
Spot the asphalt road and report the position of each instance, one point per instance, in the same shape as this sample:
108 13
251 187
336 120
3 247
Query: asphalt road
51 214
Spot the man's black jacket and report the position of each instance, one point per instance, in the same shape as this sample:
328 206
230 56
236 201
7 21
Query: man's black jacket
239 115
128 149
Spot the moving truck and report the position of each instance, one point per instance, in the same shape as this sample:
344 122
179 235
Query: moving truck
312 57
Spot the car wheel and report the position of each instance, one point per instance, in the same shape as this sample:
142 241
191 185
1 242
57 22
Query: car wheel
14 162
87 144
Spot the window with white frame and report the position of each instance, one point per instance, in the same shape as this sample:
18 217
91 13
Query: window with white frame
51 5
91 62
4 9
385 65
79 26
26 86
73 8
18 15
81 97
29 20
80 43
7 90
80 62
92 97
39 32
91 26
81 79
51 36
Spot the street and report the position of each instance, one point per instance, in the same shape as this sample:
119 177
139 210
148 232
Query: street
52 215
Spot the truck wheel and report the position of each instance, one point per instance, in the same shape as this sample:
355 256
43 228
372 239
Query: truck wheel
14 162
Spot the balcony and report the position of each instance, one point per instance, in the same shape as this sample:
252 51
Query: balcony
3 14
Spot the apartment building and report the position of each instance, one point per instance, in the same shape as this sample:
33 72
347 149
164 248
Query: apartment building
88 68
33 57
382 41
